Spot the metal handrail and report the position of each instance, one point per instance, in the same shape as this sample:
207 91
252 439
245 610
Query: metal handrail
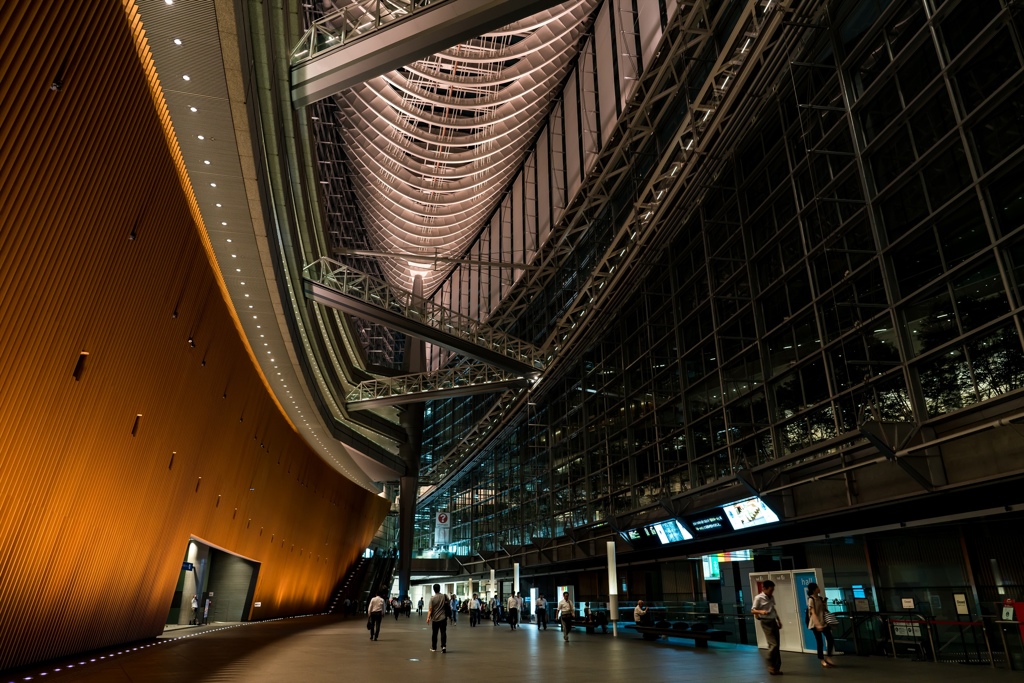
380 294
459 376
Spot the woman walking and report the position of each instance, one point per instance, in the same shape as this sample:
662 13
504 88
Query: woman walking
819 624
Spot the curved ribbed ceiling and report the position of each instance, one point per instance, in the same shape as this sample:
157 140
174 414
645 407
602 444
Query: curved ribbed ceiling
437 142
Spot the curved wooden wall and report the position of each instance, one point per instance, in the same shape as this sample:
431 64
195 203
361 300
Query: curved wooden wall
100 253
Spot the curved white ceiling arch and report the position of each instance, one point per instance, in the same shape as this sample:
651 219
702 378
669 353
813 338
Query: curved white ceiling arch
435 144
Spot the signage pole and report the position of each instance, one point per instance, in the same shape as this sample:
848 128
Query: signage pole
613 588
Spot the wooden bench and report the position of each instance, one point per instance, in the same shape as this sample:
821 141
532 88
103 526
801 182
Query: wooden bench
699 638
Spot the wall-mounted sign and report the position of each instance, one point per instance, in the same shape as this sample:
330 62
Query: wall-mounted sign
749 512
714 607
1008 614
961 603
186 566
442 528
908 603
861 605
711 522
258 604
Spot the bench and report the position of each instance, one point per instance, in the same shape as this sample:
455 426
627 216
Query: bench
699 638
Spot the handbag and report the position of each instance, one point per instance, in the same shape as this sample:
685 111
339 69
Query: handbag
831 619
369 624
447 609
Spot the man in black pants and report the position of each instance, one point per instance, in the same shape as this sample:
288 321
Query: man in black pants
375 612
437 617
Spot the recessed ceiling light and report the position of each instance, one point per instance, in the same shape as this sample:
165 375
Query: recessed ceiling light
254 317
206 161
229 239
186 78
238 270
177 41
234 256
243 283
213 184
246 296
193 110
218 206
169 2
223 222
200 137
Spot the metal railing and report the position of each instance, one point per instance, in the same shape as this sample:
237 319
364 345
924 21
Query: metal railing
381 295
351 22
463 377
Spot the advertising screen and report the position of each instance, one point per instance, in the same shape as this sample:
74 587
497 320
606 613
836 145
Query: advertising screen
671 532
710 565
750 512
658 534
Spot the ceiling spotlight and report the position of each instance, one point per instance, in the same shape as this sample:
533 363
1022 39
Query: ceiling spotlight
200 137
177 41
185 77
193 110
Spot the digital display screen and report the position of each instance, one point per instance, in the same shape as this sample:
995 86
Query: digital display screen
708 523
671 532
710 565
750 512
661 533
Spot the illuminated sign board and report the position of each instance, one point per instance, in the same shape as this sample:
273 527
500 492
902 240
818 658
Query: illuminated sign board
658 534
710 522
749 512
711 563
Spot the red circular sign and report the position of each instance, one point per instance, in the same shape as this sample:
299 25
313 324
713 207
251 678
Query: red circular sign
442 517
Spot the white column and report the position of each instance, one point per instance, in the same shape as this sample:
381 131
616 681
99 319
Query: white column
613 589
494 586
469 589
515 579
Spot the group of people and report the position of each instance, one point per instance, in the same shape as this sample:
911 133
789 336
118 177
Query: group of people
443 607
817 618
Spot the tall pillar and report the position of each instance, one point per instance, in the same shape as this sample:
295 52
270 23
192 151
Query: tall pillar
613 589
494 586
411 418
515 577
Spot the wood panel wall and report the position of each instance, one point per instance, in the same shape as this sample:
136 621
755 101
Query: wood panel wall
105 476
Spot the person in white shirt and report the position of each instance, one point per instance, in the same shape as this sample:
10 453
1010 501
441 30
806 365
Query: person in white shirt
474 610
764 609
564 615
513 611
640 613
519 605
376 614
542 612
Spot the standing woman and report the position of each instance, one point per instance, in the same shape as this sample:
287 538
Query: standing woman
816 611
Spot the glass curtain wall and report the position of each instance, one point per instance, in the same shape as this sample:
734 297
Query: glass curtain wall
864 251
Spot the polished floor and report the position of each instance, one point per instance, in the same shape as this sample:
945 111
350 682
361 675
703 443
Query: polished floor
330 649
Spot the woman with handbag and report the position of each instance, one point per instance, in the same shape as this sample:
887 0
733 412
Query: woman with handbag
820 621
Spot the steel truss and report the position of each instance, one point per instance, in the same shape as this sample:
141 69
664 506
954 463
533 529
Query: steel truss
340 286
709 119
367 38
464 379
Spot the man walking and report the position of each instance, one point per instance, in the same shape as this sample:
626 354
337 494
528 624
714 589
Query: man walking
495 609
564 614
474 610
542 613
513 611
376 611
764 609
437 617
419 607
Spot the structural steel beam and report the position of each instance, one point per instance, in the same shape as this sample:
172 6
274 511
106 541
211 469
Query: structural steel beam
340 50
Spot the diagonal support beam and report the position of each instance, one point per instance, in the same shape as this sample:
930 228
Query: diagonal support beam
366 39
